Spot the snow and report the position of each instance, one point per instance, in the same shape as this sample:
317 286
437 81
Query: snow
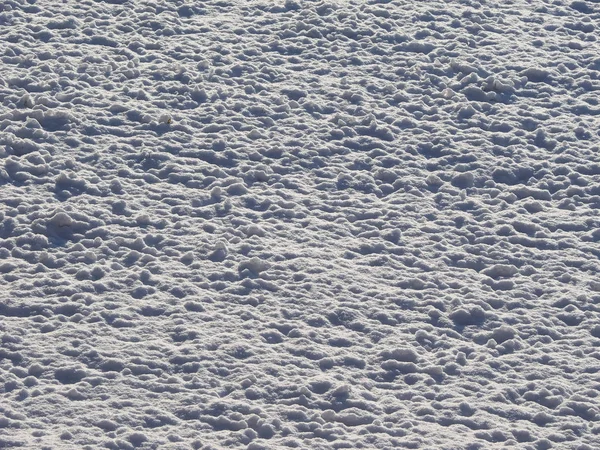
307 224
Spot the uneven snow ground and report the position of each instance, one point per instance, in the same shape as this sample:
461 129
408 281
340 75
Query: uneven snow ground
317 225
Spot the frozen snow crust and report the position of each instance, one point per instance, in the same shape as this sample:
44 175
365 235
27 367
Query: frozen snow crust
316 225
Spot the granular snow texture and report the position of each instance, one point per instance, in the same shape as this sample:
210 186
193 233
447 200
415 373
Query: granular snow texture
247 224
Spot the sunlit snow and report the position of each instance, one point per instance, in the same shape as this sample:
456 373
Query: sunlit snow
304 224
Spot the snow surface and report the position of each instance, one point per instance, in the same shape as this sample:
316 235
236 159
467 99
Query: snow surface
316 225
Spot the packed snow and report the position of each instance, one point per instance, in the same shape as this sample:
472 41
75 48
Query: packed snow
253 225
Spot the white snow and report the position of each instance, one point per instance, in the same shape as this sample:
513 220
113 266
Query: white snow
302 224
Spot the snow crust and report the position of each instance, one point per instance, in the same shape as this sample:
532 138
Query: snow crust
302 224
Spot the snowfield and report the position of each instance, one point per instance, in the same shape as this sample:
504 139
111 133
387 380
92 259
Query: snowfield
316 225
